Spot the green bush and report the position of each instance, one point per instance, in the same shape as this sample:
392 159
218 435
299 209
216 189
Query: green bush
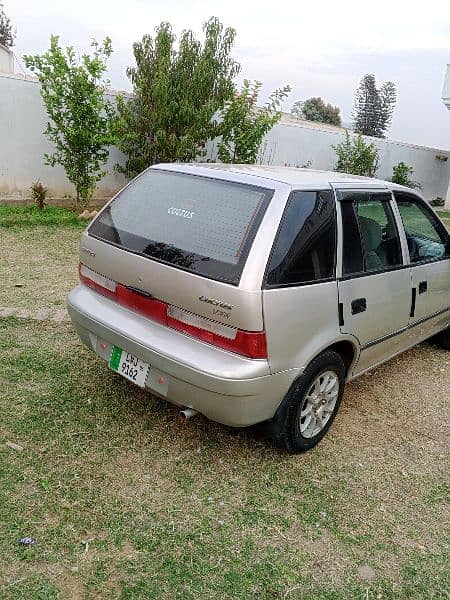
356 156
244 126
401 175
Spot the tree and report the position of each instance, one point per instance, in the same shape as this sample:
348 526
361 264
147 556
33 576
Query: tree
177 92
373 107
244 125
79 126
7 35
356 156
401 174
315 109
388 98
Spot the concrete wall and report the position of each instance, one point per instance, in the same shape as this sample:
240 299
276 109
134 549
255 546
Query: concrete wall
23 120
295 144
292 143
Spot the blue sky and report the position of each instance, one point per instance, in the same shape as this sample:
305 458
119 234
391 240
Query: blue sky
319 48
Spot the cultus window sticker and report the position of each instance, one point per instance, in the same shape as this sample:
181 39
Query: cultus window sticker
181 212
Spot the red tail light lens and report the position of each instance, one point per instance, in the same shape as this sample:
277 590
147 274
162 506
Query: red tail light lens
251 343
146 305
246 343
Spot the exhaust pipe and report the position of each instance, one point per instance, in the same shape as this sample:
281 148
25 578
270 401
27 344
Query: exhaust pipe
187 414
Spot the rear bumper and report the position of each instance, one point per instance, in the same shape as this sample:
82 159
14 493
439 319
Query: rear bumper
223 386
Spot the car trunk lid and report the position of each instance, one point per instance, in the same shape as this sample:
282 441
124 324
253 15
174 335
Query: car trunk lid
182 240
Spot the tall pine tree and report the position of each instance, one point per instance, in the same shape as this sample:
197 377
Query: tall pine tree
6 33
388 97
373 107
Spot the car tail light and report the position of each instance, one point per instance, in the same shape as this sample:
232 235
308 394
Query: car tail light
246 343
98 282
179 318
142 303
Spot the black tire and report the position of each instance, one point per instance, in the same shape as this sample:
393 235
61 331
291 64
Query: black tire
285 426
442 339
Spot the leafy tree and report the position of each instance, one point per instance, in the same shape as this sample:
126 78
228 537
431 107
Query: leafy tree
315 109
356 156
244 125
7 35
373 107
177 92
401 175
79 127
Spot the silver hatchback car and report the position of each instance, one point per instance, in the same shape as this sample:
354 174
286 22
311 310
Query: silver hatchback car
252 294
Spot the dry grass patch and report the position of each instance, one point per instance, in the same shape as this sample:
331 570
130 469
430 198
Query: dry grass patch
42 261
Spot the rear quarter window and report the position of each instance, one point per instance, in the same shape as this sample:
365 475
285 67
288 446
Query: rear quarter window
305 246
199 224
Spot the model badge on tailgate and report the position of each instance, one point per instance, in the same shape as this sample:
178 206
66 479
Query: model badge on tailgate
216 302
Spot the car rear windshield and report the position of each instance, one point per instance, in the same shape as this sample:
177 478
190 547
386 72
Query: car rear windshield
198 224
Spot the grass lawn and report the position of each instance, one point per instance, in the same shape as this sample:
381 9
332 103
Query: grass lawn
126 501
445 216
39 256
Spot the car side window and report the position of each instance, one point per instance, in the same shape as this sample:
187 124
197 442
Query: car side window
425 236
305 246
370 237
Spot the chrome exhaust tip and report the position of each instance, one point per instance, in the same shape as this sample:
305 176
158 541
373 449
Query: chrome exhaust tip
187 414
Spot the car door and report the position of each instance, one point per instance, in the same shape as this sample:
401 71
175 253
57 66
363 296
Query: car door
374 287
429 257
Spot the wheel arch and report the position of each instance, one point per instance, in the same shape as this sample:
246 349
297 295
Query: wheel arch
348 349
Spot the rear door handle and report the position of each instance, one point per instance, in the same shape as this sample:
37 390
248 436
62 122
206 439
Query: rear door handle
359 305
423 287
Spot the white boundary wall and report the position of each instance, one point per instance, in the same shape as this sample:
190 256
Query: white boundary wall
23 119
297 143
292 143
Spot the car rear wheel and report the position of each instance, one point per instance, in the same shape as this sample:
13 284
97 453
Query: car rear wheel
311 404
442 339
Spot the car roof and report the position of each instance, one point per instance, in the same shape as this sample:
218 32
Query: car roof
292 176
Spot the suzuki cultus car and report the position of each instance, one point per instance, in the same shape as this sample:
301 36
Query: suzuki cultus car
252 294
